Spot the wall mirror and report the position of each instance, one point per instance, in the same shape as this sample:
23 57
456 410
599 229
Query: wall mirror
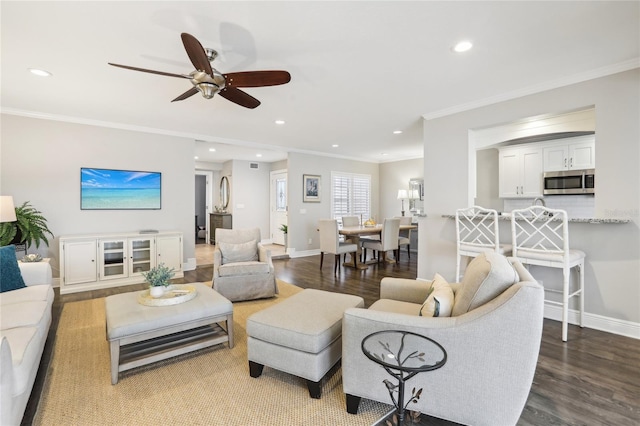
224 192
416 195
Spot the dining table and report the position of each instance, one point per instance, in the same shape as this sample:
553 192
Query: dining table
354 233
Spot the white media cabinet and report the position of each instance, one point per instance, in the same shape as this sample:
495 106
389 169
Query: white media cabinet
89 262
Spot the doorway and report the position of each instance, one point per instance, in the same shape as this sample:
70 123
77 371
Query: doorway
203 205
279 206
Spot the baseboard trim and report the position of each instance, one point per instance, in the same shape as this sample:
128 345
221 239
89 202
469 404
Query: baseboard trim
597 322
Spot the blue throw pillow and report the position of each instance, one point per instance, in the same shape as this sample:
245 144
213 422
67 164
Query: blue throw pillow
10 276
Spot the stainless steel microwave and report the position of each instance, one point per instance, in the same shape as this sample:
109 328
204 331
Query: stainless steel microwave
570 182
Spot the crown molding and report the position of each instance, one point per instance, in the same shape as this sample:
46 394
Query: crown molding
553 84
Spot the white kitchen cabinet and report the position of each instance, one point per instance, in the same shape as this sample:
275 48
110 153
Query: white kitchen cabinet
520 172
89 262
570 154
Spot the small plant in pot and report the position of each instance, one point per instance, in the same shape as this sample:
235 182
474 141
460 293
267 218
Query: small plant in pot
158 279
284 228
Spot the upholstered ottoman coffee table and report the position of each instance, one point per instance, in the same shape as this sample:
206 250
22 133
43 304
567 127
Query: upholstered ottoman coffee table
302 335
139 334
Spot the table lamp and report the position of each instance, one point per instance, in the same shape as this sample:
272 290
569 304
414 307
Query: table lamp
7 209
402 195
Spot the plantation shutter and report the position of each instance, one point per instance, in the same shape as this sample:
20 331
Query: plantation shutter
350 195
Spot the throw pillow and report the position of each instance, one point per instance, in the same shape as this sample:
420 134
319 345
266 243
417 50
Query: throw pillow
242 252
440 299
10 276
486 276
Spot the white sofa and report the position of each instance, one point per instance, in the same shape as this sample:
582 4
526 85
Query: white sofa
25 317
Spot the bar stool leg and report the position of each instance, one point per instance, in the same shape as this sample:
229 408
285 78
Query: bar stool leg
581 266
566 273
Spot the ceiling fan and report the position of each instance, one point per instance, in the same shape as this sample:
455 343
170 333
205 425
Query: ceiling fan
209 81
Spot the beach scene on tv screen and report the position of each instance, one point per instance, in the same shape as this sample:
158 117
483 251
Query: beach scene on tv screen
105 189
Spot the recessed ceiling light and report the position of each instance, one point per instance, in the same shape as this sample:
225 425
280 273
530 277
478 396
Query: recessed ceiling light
258 155
279 121
462 46
40 73
212 150
397 132
383 154
196 157
335 145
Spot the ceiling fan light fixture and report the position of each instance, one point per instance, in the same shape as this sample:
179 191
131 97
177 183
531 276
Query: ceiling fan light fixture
207 89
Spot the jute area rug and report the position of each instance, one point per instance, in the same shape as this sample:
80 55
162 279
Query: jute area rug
211 386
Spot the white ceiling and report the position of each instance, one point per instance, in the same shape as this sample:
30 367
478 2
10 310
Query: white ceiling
360 69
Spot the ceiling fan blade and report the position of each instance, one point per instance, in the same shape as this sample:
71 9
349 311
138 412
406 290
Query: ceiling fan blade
186 94
196 53
257 78
150 71
239 97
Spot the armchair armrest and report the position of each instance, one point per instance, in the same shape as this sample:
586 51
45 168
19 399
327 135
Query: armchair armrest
217 262
264 255
36 273
404 289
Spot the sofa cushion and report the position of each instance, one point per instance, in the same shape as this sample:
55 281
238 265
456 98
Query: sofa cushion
25 352
487 276
242 252
243 268
440 300
10 276
27 294
26 314
396 307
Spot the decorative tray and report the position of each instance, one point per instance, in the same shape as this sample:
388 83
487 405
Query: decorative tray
173 295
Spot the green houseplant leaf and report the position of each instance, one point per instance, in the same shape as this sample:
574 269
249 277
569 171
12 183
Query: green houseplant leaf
30 226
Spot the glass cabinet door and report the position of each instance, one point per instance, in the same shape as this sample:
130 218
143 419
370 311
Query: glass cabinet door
141 255
112 258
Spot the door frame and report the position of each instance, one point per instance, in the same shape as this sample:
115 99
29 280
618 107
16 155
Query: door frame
273 226
208 200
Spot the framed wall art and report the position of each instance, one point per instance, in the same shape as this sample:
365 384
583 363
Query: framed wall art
311 188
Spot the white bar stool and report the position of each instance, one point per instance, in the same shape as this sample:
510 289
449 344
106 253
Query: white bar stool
477 231
540 237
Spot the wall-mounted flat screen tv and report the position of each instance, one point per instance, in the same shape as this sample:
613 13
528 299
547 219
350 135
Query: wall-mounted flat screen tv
107 189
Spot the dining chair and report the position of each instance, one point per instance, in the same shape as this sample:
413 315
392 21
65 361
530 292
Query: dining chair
347 222
404 237
330 243
540 236
388 240
477 231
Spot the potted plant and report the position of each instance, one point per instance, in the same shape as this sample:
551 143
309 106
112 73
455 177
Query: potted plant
158 279
284 228
30 227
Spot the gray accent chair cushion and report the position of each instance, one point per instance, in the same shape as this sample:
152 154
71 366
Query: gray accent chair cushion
242 266
492 348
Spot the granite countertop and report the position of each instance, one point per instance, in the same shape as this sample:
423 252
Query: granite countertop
594 220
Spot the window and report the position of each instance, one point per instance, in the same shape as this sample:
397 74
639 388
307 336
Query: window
350 195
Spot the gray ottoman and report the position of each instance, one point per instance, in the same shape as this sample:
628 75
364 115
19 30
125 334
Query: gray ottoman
139 335
302 335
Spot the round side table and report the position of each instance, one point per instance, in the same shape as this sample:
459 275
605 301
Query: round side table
403 354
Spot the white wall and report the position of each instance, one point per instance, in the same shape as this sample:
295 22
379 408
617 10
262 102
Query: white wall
613 251
303 217
41 160
395 176
250 196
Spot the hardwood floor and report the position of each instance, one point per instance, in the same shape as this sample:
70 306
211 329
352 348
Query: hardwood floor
593 379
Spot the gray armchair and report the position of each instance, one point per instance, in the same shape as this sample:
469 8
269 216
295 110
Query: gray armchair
492 342
242 266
